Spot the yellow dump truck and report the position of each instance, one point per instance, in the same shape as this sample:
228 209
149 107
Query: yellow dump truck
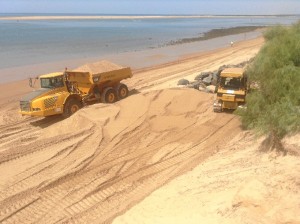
231 89
66 92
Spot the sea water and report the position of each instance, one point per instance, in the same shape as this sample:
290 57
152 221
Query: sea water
27 42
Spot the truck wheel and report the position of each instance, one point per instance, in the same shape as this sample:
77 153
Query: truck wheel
71 107
109 95
218 108
122 91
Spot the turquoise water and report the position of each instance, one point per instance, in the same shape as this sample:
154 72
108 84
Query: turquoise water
33 42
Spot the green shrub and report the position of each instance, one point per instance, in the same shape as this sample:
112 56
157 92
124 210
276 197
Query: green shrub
273 108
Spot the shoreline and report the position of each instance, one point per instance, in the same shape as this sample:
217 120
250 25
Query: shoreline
137 59
129 17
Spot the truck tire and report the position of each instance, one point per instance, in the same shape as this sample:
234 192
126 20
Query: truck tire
122 91
109 95
71 107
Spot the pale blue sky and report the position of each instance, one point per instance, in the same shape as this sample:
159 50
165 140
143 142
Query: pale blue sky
152 6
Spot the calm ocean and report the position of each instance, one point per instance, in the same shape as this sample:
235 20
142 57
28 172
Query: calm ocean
26 42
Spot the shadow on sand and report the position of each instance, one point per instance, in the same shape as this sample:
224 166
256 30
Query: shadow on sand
47 121
133 92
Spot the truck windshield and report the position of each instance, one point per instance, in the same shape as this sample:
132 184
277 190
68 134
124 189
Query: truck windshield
54 82
231 83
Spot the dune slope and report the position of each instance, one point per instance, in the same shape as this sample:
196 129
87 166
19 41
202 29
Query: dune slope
97 163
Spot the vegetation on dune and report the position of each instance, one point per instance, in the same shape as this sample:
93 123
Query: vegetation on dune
273 108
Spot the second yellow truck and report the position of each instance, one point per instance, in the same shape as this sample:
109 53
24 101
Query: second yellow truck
66 92
231 89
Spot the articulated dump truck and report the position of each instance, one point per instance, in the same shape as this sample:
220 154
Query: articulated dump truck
231 89
66 92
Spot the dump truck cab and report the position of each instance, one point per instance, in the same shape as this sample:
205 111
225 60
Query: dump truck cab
49 99
52 80
231 89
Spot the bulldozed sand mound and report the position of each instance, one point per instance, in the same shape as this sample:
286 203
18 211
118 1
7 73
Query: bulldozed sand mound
94 165
98 67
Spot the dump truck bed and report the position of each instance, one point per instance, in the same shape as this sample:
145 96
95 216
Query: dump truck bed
99 67
103 72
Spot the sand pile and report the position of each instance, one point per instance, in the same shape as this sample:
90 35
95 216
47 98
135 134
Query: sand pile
98 67
97 163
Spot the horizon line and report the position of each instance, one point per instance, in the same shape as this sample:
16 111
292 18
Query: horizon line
70 16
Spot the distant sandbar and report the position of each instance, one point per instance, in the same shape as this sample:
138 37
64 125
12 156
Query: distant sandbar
96 17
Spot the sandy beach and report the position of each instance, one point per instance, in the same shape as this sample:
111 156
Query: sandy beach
159 156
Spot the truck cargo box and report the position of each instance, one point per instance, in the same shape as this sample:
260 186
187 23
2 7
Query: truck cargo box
98 73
